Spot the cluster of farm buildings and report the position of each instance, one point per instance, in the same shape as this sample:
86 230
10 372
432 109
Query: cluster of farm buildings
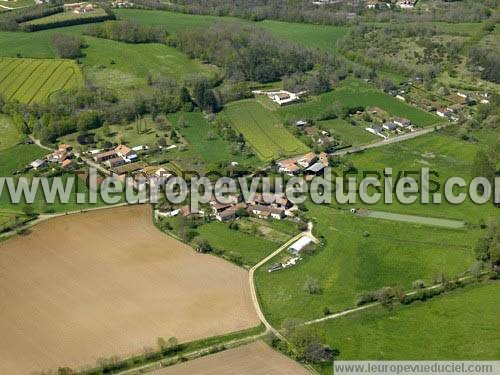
310 164
62 157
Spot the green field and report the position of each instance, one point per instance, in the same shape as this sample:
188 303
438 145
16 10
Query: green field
34 80
441 152
354 93
10 136
263 130
361 254
461 325
250 247
140 59
109 62
350 134
204 142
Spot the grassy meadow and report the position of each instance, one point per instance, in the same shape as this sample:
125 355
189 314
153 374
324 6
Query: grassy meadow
203 141
461 325
350 134
263 130
251 247
10 135
34 80
354 93
441 152
361 254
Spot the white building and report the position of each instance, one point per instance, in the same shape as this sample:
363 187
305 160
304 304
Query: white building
299 245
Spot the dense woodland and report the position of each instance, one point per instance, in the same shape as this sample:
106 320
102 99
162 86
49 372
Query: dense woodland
247 53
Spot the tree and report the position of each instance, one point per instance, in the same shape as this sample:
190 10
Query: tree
162 142
484 165
67 46
311 286
203 246
29 211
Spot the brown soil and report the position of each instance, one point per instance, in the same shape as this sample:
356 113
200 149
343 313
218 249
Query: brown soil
108 283
252 359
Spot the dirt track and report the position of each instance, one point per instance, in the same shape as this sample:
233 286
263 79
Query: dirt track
109 283
252 359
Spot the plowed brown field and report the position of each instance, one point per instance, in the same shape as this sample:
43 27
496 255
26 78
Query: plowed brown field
107 283
252 359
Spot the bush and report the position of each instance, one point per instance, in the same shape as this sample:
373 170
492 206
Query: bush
67 46
311 286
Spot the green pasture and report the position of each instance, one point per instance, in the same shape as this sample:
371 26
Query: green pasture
361 254
204 141
461 325
263 130
250 247
34 80
355 93
443 153
9 134
350 134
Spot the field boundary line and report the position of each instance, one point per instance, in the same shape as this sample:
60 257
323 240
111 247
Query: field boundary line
195 354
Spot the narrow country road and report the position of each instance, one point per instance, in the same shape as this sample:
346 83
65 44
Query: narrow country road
39 144
385 142
251 278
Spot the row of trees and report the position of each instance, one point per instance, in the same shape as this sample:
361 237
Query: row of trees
128 31
10 21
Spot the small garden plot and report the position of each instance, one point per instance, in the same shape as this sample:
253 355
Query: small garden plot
347 133
263 130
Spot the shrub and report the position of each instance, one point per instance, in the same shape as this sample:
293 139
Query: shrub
311 286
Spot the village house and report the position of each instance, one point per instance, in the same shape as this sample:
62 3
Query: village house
38 164
265 212
67 164
407 4
323 158
402 122
315 169
307 160
288 166
63 153
114 162
300 124
389 126
104 156
125 152
443 112
229 213
376 130
283 97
